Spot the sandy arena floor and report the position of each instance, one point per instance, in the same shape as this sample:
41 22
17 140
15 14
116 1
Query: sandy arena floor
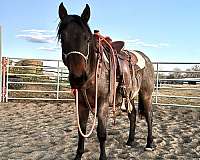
48 131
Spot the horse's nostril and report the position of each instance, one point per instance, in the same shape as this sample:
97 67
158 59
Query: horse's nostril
77 81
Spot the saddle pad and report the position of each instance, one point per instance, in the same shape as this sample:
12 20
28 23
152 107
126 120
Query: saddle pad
141 60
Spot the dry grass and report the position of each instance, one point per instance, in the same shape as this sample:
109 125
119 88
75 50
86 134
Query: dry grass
175 90
179 90
39 87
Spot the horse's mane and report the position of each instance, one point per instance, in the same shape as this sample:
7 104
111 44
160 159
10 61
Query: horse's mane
68 19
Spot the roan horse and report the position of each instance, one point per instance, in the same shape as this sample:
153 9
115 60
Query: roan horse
90 57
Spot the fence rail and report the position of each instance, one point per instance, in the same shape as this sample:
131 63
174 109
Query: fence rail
50 82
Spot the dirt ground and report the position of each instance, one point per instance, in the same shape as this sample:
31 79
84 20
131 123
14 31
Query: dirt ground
48 131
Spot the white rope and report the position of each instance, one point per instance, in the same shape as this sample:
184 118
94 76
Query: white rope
95 112
76 52
79 53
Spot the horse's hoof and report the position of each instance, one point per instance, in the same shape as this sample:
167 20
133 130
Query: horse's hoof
77 158
131 144
149 149
102 158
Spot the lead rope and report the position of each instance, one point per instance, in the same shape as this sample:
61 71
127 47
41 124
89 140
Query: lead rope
114 85
95 112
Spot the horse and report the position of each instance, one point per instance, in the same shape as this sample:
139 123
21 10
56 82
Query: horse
103 74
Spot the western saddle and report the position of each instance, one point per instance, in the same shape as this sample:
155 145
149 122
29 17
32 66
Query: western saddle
127 62
126 72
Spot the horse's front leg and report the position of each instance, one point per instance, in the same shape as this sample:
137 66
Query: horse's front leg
132 119
83 117
101 128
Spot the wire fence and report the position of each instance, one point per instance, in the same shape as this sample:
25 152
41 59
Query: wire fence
42 79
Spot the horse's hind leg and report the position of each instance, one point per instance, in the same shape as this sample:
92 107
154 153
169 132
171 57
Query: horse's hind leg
145 109
132 119
83 117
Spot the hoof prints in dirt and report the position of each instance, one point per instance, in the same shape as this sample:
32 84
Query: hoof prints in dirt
46 131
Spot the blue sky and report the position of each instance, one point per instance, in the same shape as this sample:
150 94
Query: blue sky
165 30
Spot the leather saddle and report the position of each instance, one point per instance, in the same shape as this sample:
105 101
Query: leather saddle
124 54
127 56
127 67
118 45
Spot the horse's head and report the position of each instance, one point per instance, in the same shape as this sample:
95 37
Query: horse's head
75 35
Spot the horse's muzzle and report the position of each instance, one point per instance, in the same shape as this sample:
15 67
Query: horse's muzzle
77 82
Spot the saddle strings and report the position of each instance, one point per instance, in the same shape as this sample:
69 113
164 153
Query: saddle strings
112 69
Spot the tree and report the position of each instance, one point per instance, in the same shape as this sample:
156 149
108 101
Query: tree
176 74
194 72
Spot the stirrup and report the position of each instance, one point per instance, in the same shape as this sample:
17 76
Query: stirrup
130 107
123 106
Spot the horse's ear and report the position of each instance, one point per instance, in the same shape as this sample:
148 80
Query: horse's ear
62 12
85 16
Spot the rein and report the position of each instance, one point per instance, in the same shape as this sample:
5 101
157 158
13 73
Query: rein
95 112
101 39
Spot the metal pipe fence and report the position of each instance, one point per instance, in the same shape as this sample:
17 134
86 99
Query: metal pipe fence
173 87
49 81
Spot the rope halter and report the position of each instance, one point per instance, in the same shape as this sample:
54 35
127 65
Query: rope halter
79 53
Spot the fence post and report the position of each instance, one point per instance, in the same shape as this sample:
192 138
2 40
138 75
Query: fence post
58 80
1 94
4 76
157 81
7 78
